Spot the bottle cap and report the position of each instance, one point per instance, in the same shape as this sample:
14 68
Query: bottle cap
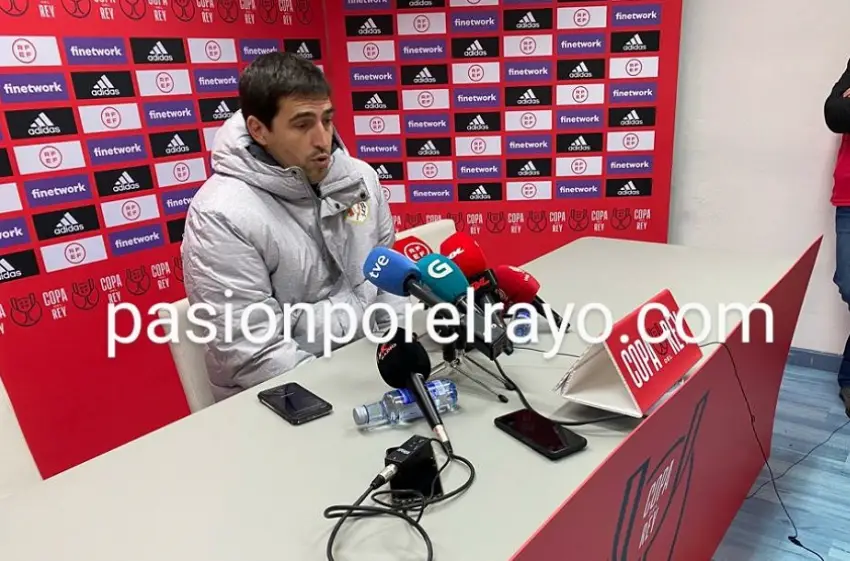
361 415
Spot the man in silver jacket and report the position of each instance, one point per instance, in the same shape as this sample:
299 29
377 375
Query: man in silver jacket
285 219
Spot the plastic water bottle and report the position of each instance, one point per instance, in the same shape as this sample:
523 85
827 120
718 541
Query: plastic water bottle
523 329
399 406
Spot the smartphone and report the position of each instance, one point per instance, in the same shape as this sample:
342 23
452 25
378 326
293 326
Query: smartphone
541 434
295 403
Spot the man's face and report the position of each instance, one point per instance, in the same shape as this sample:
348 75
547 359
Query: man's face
301 135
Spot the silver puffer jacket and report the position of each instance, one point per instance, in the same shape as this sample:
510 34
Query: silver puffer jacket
260 231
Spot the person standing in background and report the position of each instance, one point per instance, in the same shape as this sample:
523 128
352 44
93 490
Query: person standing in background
837 115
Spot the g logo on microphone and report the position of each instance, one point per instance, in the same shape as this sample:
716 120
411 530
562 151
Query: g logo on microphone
439 269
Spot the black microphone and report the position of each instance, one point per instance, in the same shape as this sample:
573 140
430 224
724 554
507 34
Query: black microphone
406 365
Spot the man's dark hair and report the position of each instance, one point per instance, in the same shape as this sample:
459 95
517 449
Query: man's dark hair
277 75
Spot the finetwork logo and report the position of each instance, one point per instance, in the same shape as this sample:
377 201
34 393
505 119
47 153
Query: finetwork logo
203 330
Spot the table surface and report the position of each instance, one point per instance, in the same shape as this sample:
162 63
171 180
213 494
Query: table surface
235 482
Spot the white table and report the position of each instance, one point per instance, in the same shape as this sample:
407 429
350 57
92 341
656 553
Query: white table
236 483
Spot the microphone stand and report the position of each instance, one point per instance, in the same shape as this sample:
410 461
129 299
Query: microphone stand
453 355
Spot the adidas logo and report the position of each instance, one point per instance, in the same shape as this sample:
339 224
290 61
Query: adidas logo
375 102
42 125
369 28
581 71
383 172
7 271
159 53
68 225
479 194
477 124
475 50
428 149
628 189
424 77
125 182
635 44
104 88
579 145
176 146
528 21
528 170
222 112
631 119
528 98
304 51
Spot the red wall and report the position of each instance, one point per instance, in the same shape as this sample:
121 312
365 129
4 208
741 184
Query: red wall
93 190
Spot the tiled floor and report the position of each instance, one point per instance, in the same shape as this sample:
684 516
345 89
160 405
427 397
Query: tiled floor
816 491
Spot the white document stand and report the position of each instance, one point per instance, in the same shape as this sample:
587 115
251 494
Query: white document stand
595 381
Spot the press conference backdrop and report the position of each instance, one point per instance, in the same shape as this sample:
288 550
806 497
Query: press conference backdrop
108 111
529 122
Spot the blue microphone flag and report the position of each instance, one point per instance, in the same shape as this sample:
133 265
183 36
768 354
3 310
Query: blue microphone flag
389 270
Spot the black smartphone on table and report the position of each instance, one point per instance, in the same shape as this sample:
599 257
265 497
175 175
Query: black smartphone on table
295 403
541 434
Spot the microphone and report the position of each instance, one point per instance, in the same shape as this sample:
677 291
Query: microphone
396 274
412 247
406 365
448 283
520 286
469 257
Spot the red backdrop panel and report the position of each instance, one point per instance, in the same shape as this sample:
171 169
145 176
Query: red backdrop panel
108 111
529 122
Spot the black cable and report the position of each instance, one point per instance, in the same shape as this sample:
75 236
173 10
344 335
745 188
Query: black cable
560 422
542 351
807 454
358 510
795 538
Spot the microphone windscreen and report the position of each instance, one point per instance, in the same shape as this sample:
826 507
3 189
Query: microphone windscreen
465 252
399 359
518 285
412 247
442 276
389 270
